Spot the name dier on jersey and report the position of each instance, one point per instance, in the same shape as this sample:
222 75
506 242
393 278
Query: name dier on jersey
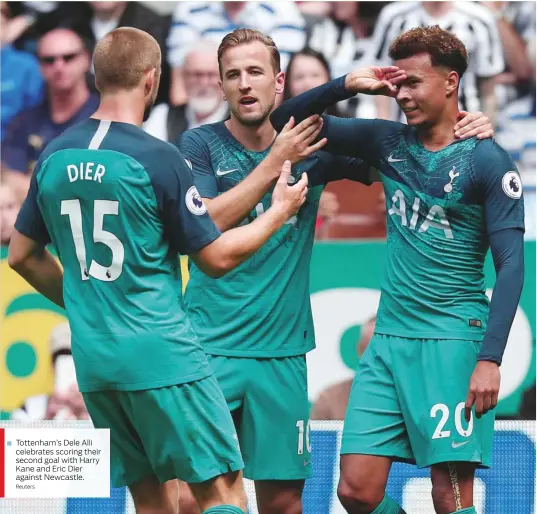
86 171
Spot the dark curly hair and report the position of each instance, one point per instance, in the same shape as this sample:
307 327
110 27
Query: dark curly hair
444 48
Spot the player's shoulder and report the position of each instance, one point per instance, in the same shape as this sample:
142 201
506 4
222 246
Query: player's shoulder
201 137
489 150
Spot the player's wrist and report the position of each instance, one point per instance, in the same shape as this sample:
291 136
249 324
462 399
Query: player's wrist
274 163
349 82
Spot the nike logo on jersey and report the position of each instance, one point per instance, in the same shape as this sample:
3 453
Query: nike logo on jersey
455 445
452 176
392 159
221 173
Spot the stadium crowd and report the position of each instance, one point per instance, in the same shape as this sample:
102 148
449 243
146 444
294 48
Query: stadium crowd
47 86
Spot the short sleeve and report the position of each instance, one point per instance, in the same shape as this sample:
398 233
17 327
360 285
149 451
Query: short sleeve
30 220
196 152
187 224
500 187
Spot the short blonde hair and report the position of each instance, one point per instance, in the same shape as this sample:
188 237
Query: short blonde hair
244 36
123 56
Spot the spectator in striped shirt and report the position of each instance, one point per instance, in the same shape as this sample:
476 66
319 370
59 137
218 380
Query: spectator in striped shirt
472 23
213 20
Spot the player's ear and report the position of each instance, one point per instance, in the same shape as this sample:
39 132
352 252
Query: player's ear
150 81
222 89
452 82
280 82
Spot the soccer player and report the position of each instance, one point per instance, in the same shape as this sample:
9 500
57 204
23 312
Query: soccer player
118 205
427 385
256 323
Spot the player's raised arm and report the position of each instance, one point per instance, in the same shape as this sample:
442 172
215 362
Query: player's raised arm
346 136
295 143
501 189
27 253
236 245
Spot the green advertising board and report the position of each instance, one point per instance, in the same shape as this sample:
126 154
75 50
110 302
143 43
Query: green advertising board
345 278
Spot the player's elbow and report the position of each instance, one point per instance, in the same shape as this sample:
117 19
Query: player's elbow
16 259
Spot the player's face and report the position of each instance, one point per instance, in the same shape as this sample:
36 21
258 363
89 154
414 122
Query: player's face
249 82
424 95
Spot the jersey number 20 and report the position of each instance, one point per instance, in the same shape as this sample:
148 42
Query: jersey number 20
101 208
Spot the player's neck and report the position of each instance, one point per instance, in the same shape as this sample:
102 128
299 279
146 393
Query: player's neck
441 134
254 138
120 107
64 105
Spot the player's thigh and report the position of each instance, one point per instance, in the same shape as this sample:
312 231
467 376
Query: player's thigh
275 433
432 378
225 489
187 431
128 460
374 422
453 486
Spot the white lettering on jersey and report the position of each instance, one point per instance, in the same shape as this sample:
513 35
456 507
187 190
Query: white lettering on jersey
400 209
86 171
436 217
442 224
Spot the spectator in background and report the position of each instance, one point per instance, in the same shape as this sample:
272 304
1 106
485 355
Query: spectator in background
9 208
472 23
21 82
107 16
307 69
332 402
205 98
193 21
342 36
64 63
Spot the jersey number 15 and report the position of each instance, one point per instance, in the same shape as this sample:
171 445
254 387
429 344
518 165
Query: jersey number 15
101 208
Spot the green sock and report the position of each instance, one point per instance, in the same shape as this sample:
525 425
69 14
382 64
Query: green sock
388 506
224 509
468 510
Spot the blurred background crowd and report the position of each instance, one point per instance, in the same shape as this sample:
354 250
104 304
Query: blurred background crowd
47 86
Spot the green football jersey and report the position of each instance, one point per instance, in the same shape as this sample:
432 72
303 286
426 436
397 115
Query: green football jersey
262 308
118 205
441 209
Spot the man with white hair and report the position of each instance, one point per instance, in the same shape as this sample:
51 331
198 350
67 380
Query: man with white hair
205 101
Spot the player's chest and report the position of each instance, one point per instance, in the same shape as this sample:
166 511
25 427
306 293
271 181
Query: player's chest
232 166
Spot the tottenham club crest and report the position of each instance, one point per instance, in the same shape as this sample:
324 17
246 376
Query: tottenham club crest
194 202
512 185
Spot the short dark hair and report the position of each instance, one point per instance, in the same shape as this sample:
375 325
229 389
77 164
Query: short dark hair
244 36
444 48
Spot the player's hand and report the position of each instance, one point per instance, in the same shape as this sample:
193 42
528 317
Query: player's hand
473 124
375 80
484 389
296 143
286 197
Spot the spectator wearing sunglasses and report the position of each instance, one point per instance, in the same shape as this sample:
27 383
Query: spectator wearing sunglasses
64 62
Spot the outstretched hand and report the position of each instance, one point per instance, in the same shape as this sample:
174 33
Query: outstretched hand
375 80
